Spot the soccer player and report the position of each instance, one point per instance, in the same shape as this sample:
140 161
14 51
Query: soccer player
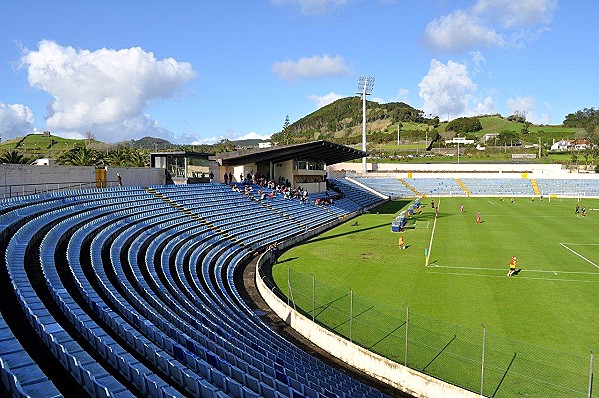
478 218
577 209
461 208
512 266
583 212
401 242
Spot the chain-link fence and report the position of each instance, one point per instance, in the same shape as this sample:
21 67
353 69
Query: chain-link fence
475 359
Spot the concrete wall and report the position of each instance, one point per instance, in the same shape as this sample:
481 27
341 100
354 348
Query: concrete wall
18 179
394 374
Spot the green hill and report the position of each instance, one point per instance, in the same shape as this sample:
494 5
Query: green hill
39 145
341 122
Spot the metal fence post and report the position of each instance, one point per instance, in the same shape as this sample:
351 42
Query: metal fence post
351 313
313 297
482 367
405 359
288 284
591 375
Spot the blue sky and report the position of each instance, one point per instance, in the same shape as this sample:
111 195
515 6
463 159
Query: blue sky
200 71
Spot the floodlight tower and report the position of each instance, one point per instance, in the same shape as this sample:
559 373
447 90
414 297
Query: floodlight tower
365 86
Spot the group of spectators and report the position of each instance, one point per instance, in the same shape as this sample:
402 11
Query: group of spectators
328 199
280 187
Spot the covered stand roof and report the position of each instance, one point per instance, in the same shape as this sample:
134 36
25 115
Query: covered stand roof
317 151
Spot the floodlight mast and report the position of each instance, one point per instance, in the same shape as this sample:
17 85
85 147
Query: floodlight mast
365 86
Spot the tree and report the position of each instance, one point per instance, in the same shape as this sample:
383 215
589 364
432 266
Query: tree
464 125
80 156
14 157
89 136
224 146
518 116
284 136
127 157
507 137
526 127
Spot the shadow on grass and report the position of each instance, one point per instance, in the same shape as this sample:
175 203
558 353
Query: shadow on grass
355 316
387 335
440 352
287 260
324 307
350 232
391 207
504 375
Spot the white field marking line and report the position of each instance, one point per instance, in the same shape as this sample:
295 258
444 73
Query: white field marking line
430 245
580 255
503 269
581 244
519 277
491 202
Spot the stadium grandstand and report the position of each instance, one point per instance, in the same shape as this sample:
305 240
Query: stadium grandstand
141 291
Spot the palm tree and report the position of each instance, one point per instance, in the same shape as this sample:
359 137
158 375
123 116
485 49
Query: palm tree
80 156
139 158
128 157
14 157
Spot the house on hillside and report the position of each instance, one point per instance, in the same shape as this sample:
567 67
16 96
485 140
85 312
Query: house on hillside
561 145
581 145
571 145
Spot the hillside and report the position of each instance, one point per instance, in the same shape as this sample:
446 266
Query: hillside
341 121
39 145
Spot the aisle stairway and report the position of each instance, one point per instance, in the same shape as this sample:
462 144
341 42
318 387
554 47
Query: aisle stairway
411 188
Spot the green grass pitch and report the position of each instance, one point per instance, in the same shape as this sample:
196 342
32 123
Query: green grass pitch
539 324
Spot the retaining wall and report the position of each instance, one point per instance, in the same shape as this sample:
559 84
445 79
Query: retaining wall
392 373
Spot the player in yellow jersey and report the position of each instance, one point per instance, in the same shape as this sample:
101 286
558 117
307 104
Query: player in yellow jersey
512 266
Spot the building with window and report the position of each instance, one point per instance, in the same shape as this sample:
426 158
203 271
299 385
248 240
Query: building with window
300 164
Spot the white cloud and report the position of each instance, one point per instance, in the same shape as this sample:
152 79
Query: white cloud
478 59
460 31
528 106
252 135
105 91
310 68
516 14
231 135
15 120
323 100
487 107
402 96
446 89
313 7
489 23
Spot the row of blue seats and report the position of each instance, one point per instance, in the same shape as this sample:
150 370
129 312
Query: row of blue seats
20 374
201 339
481 186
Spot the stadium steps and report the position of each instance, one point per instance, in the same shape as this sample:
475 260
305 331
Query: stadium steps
196 217
287 216
411 188
535 186
464 188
